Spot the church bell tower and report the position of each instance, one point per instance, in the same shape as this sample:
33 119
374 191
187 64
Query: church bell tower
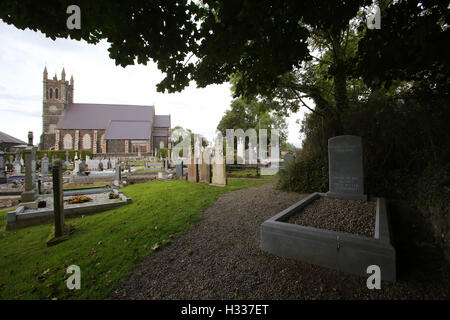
56 95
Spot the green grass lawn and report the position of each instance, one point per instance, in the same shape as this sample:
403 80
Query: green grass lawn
107 246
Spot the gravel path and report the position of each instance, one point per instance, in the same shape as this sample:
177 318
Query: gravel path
220 258
351 216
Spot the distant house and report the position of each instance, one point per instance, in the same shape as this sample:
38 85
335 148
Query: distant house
101 128
9 143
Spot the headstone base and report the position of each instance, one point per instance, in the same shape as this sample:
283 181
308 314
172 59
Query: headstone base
68 230
346 196
28 196
217 185
30 205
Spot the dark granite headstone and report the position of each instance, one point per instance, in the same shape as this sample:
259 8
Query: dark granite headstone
345 159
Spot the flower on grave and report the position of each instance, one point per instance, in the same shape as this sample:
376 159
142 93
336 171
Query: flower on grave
113 195
78 199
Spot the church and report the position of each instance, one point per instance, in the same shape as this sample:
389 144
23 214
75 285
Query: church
101 128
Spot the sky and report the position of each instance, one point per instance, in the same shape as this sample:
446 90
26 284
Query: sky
25 53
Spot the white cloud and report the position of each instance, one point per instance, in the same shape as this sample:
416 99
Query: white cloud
24 53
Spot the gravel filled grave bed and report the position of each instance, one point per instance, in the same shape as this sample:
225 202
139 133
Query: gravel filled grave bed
221 258
351 216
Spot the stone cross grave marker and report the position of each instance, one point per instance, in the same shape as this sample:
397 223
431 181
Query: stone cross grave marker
58 198
62 231
346 176
28 197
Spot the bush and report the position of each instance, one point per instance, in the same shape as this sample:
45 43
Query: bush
163 152
305 174
433 199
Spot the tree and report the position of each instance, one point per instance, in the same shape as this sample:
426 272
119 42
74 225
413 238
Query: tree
209 41
262 40
251 115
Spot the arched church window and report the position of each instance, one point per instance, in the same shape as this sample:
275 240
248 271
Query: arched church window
46 94
87 141
67 141
51 93
56 93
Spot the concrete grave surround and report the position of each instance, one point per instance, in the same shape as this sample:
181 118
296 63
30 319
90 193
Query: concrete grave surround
345 168
337 250
19 218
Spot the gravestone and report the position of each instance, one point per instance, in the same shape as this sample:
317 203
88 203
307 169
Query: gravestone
76 167
2 168
44 166
67 159
118 177
205 168
58 198
17 165
179 169
81 168
219 174
61 230
192 168
29 196
346 178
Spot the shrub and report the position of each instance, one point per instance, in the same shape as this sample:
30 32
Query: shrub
305 174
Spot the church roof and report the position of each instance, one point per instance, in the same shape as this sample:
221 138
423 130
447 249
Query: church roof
6 138
98 116
122 129
162 122
160 132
